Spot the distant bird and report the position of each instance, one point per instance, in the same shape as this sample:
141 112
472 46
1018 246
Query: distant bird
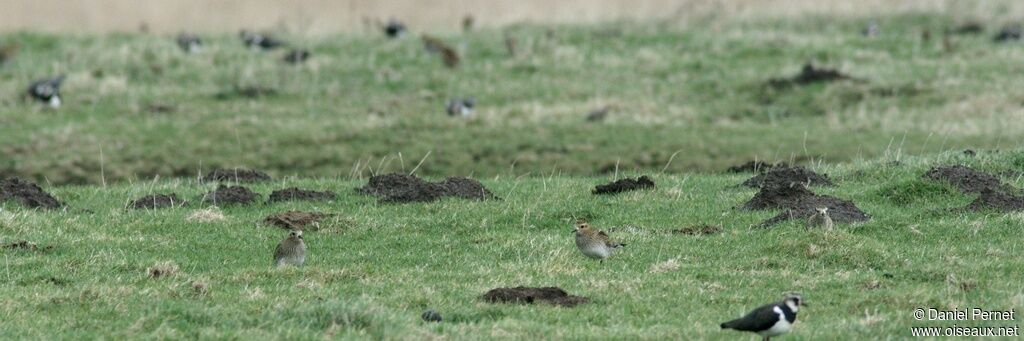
871 30
460 106
769 320
259 40
394 28
510 45
821 219
190 43
431 315
47 91
7 52
296 56
598 115
593 243
291 250
926 36
448 54
1008 33
467 22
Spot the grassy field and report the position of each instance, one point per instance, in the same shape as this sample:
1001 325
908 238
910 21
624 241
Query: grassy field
683 96
372 268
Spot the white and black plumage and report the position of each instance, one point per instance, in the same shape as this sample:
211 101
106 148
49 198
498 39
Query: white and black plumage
259 40
47 91
190 43
296 56
394 28
460 106
769 320
291 250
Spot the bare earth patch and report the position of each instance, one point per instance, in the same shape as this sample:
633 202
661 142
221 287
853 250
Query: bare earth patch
230 195
788 176
800 203
155 201
293 193
28 194
404 188
625 185
698 230
527 295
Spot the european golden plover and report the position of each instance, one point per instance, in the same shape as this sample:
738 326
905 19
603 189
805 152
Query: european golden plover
593 243
820 218
291 250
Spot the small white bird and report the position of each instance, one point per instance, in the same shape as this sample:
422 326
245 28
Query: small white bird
291 250
593 243
820 218
769 320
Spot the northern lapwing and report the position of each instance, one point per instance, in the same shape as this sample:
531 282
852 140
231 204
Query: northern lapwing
460 106
296 56
291 250
47 91
769 320
259 41
820 218
593 243
394 28
190 43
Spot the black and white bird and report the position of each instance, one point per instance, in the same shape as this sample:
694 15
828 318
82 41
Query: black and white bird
871 30
460 106
394 28
296 56
259 41
47 91
190 43
769 320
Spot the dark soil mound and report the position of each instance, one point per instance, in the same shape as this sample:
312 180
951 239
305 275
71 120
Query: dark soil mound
967 180
25 245
698 230
230 195
625 185
403 188
246 92
28 194
525 295
787 176
294 220
290 194
800 203
1002 201
992 193
1008 33
755 167
809 75
236 175
968 28
154 201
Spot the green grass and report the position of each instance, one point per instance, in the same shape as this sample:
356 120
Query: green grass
374 268
686 96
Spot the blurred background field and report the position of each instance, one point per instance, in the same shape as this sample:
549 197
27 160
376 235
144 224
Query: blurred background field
687 91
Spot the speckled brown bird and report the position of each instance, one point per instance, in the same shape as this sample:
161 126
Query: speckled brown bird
291 250
593 243
820 218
